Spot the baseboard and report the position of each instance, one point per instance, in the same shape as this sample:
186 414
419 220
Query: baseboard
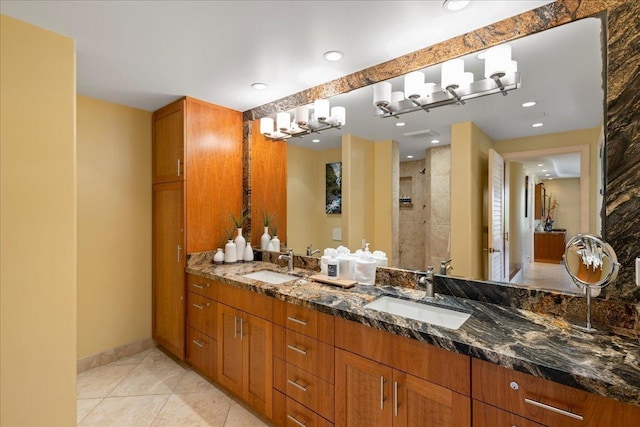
113 354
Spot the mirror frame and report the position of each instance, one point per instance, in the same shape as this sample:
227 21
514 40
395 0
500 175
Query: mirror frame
621 226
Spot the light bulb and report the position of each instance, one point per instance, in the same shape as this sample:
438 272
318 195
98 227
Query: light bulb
266 125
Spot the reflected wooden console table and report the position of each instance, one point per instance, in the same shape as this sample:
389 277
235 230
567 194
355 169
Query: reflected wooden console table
548 246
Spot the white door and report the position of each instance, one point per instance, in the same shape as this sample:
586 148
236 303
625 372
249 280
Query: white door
496 248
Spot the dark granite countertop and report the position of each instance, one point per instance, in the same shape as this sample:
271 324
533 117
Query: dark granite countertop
544 346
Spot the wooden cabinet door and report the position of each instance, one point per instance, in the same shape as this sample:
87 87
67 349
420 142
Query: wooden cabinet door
168 143
363 392
168 267
229 349
417 402
257 342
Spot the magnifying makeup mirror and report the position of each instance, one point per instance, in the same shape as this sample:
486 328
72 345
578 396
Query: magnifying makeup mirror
592 264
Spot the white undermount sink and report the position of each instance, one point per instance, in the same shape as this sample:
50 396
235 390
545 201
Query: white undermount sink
268 276
436 315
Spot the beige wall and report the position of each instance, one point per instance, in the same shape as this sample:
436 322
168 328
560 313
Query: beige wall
38 227
591 137
518 223
567 193
307 220
469 180
114 225
386 197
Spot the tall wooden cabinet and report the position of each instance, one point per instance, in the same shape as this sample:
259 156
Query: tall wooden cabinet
197 184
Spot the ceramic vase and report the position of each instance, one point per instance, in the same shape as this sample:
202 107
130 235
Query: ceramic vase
218 258
230 254
265 239
240 245
248 253
276 244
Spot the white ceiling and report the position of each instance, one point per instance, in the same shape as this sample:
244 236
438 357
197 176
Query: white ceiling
146 54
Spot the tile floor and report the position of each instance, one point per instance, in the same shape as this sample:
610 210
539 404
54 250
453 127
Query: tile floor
548 276
151 389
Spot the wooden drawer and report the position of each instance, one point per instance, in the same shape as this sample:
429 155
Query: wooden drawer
313 392
443 367
247 301
538 399
202 353
201 286
305 320
488 416
201 314
304 352
287 412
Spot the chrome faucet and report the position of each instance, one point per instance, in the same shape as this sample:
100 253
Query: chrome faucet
312 252
289 258
445 267
426 280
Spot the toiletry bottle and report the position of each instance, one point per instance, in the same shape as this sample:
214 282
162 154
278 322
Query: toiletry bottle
333 267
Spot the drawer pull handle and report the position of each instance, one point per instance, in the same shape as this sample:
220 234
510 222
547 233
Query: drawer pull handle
235 327
179 167
395 398
299 350
295 384
199 306
241 327
298 321
293 418
198 343
554 409
381 392
199 286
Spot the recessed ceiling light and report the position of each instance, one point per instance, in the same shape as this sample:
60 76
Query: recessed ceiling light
259 86
315 141
529 104
400 124
537 125
333 55
455 5
547 174
544 170
540 164
435 141
409 156
550 179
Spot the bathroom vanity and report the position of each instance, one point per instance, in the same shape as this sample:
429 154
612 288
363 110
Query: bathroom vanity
330 361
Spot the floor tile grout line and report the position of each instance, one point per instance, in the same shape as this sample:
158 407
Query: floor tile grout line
92 409
155 417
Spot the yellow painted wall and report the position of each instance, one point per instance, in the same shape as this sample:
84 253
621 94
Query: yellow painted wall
589 136
114 225
358 197
384 200
518 223
469 179
567 193
38 226
307 220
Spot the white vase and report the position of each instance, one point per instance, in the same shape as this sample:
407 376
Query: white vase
276 244
270 246
248 253
230 255
240 245
265 239
218 258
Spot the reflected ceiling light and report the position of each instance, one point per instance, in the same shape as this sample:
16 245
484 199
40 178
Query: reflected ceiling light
307 119
537 125
333 55
409 156
315 141
400 124
435 141
455 5
545 170
259 86
456 85
547 174
529 104
540 164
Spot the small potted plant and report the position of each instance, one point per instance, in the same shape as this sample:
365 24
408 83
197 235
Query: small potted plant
267 219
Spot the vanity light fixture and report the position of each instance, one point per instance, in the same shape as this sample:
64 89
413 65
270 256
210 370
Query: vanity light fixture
333 55
456 85
259 86
455 5
306 120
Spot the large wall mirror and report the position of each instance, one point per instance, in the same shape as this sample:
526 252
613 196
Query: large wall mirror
570 141
403 166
